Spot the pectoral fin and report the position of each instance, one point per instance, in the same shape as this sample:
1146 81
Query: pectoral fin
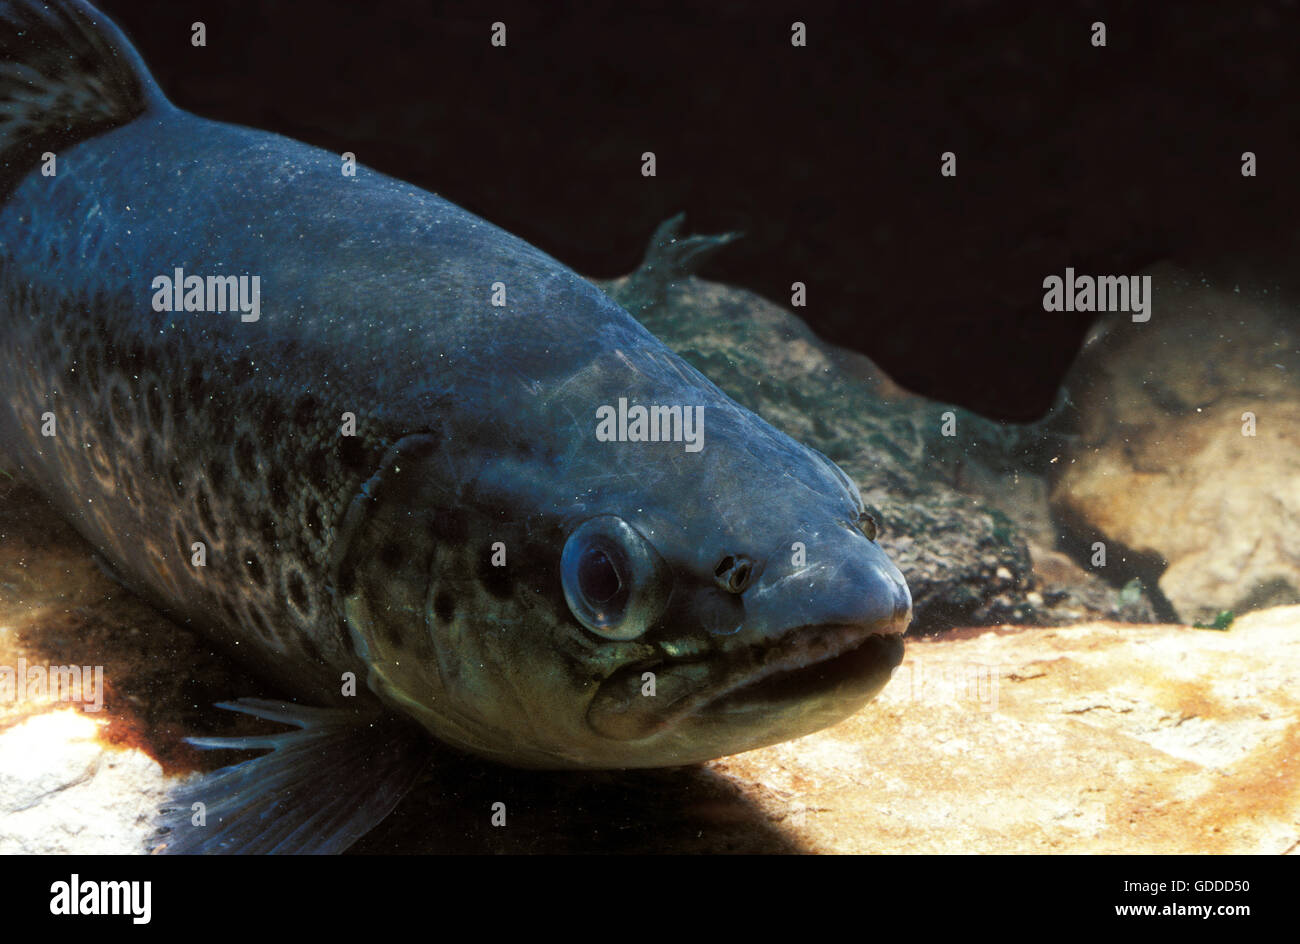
317 790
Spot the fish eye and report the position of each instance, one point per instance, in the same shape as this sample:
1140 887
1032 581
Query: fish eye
598 577
615 582
868 526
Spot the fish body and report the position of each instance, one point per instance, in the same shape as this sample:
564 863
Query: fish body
381 460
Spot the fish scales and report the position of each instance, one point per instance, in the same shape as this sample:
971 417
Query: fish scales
208 437
390 466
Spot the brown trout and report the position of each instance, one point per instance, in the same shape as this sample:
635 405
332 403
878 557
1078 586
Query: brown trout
427 480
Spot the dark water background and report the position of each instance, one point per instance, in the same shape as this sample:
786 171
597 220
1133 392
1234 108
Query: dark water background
826 157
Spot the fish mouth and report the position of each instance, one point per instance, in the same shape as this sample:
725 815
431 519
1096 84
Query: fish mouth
821 672
839 660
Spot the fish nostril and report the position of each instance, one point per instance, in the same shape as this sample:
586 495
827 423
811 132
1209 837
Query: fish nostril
733 573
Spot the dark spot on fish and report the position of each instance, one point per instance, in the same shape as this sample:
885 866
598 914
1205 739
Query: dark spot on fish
154 406
298 592
228 608
269 422
177 480
121 413
309 649
217 474
560 612
92 373
495 580
316 457
474 437
72 377
132 358
204 509
194 386
315 520
304 413
535 550
444 606
275 487
391 631
246 457
149 453
450 526
353 454
391 555
254 566
266 527
347 579
241 369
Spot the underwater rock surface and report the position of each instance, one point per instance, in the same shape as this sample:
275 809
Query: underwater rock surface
1096 738
64 790
1188 449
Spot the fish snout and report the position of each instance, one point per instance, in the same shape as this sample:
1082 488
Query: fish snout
830 576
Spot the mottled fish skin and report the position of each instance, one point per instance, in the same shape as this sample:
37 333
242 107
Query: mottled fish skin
475 425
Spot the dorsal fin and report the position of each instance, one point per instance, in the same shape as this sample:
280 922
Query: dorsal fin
66 73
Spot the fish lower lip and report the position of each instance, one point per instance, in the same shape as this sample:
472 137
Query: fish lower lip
806 671
859 671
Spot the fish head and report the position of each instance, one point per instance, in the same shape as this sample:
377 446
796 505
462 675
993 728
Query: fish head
587 604
755 579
